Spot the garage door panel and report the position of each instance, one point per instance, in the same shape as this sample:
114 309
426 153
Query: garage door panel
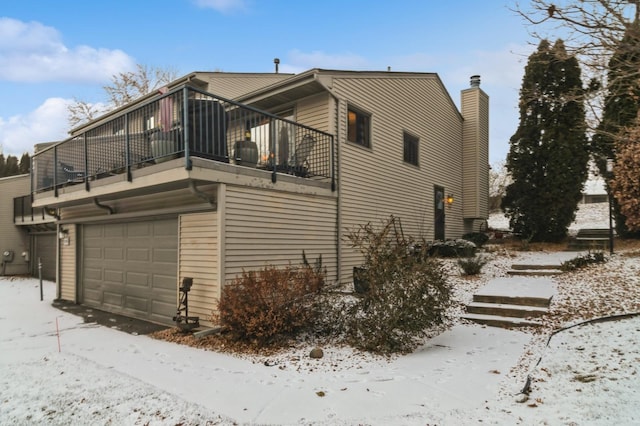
131 268
92 294
114 299
92 274
166 255
114 276
164 282
139 304
92 253
115 253
160 230
93 232
137 279
159 308
138 254
139 229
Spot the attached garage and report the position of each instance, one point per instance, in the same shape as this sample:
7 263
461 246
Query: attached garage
44 248
131 268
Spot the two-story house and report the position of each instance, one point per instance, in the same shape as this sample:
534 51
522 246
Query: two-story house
223 172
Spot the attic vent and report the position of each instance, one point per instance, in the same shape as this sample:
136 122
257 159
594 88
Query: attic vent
475 81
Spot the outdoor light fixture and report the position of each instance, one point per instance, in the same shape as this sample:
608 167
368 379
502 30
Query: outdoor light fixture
449 200
63 233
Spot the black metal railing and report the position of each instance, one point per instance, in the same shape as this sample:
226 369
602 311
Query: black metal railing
25 214
185 122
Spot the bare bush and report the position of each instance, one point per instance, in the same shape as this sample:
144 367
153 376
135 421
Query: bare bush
407 291
270 304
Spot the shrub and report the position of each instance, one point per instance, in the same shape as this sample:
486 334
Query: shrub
472 265
408 292
453 248
583 261
477 238
271 303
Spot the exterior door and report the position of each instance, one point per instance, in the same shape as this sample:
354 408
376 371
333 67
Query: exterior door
438 212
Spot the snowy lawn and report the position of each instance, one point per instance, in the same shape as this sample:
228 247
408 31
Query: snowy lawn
469 374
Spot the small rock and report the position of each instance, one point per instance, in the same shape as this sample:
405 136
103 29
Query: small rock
522 398
316 353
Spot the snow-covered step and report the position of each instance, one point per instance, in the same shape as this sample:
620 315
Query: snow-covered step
535 267
504 309
500 321
534 272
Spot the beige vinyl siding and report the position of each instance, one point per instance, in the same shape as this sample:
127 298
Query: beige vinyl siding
475 110
266 227
12 237
198 259
149 204
375 182
314 112
233 85
68 259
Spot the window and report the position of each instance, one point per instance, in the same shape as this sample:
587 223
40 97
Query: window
410 149
358 128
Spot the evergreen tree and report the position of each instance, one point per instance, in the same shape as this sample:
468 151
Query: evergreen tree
620 109
25 163
549 153
11 167
2 166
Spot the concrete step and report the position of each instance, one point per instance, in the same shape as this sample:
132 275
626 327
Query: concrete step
500 321
588 244
529 301
506 310
534 272
533 267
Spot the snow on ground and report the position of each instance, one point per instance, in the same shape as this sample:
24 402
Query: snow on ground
469 374
594 215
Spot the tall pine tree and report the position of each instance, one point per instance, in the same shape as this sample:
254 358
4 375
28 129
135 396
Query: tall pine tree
549 153
620 109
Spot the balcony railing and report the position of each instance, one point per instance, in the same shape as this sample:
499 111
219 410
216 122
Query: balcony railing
25 214
186 122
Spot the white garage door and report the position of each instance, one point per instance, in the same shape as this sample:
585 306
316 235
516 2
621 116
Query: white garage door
131 268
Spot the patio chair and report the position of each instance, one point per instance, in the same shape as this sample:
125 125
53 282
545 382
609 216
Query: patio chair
301 165
70 174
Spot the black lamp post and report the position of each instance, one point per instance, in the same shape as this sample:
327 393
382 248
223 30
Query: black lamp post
609 174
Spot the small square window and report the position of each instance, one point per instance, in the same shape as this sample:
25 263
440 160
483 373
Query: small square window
410 149
358 128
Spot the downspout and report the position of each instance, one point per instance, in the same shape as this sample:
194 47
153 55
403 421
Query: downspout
336 171
103 206
202 195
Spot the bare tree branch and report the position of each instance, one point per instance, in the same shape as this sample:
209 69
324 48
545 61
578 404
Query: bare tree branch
125 87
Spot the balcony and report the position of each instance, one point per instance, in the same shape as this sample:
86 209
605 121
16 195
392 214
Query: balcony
37 218
183 127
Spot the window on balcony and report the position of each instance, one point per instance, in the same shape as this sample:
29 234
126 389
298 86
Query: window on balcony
410 148
283 138
358 129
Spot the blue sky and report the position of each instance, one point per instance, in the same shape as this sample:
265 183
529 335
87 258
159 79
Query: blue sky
52 52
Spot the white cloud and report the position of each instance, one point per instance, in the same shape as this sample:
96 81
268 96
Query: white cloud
48 123
223 6
33 52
